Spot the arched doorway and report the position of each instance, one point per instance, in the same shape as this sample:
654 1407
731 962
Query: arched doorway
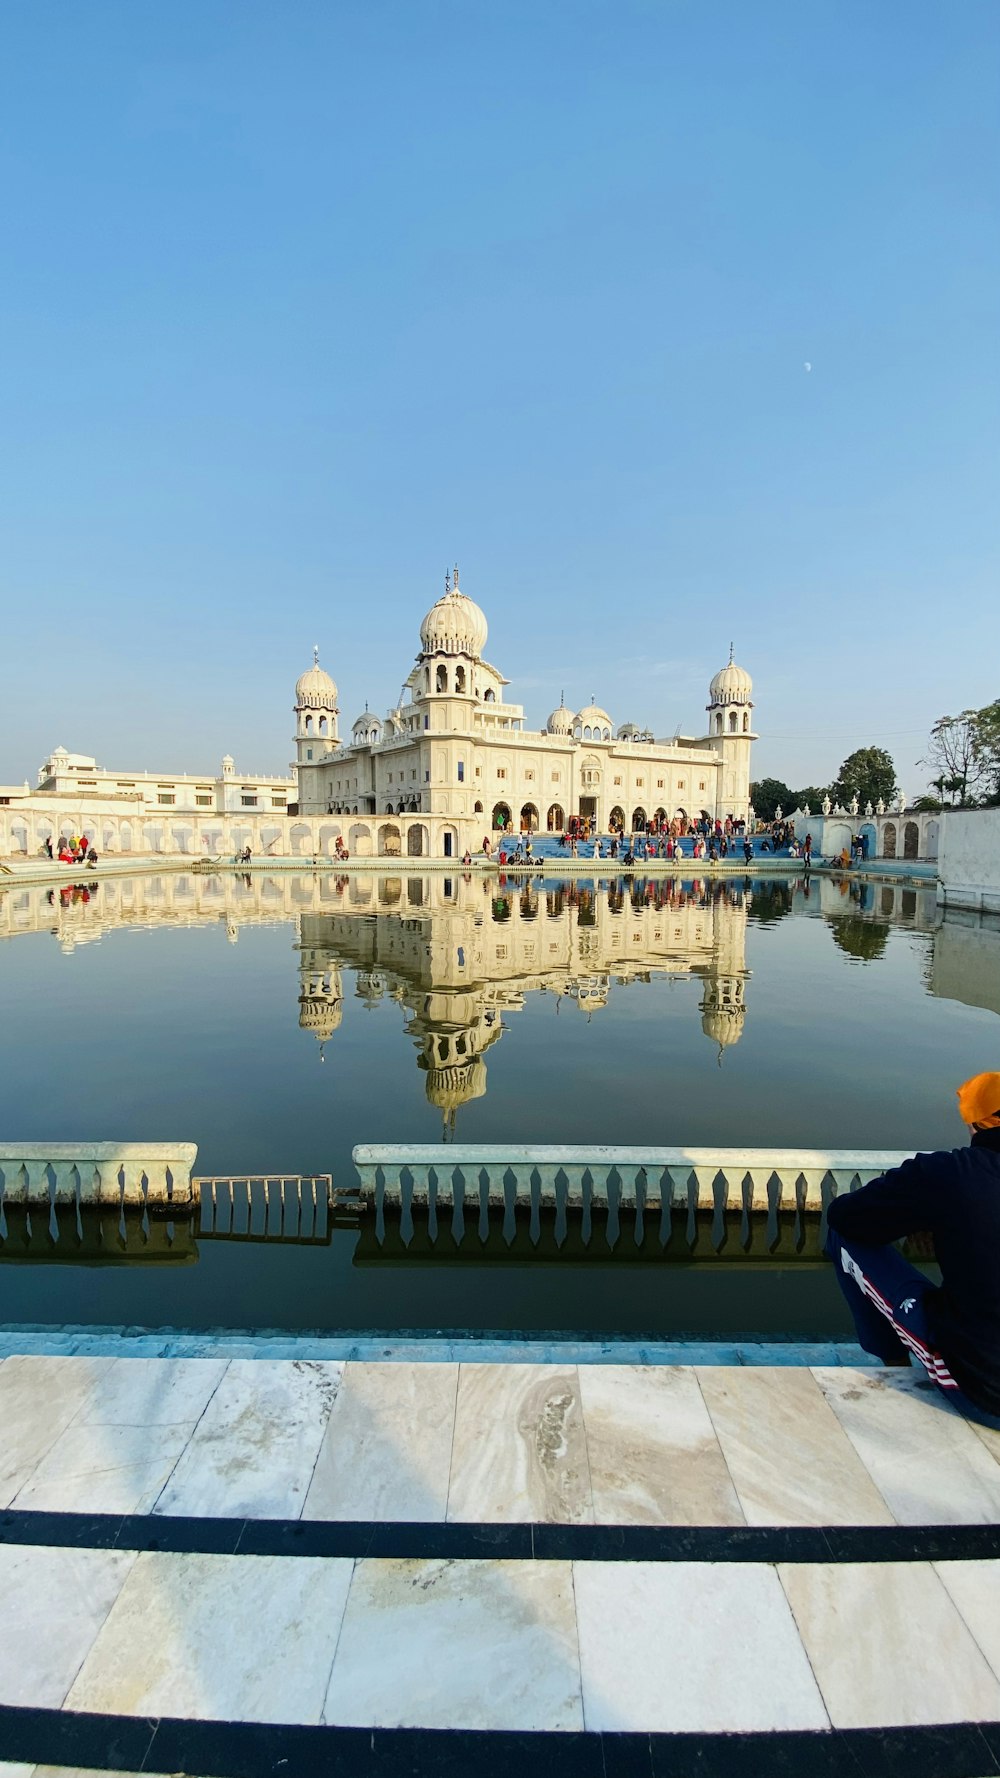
501 817
359 840
911 840
416 840
389 840
638 820
889 840
616 820
555 820
529 818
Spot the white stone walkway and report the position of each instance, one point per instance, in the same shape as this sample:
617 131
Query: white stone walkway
664 1644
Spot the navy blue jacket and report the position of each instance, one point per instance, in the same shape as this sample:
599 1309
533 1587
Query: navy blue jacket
957 1197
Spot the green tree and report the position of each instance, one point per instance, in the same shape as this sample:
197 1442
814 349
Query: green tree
864 939
988 749
812 794
868 773
769 794
953 754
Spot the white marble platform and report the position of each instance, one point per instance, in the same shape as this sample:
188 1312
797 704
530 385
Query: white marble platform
506 1443
714 1645
493 1644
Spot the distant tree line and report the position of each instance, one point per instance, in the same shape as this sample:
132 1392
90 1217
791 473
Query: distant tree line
963 752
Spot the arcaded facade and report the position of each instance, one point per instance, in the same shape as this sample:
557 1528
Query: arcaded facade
453 760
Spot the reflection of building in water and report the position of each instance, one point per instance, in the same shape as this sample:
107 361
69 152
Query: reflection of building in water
460 956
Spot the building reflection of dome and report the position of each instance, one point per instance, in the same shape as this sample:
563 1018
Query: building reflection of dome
453 1086
320 1016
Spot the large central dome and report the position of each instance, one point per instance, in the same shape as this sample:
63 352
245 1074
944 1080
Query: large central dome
455 625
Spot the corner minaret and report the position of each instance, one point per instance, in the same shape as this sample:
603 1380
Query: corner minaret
316 737
730 734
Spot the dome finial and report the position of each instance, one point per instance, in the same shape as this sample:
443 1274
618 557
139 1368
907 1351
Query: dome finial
315 654
447 580
732 650
455 578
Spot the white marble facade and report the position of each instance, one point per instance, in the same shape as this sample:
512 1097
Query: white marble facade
453 760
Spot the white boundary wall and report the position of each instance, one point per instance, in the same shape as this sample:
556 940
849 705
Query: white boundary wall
969 859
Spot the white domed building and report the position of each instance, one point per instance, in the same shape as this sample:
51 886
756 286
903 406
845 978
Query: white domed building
453 760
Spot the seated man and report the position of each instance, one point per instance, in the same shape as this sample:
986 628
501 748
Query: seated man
953 1328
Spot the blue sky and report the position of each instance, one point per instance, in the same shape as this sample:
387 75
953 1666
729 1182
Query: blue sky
301 302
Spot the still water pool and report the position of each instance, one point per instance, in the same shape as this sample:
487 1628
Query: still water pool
277 1020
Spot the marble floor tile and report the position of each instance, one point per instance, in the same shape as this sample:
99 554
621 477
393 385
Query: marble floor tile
18 1769
654 1457
38 1399
706 1646
239 1638
975 1589
789 1457
52 1605
463 1645
888 1646
926 1460
520 1451
153 1392
255 1447
104 1469
386 1453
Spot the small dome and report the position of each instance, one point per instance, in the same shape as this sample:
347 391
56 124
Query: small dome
367 724
561 721
315 690
731 685
455 625
629 731
594 718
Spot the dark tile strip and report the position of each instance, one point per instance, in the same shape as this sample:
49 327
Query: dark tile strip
457 1542
255 1750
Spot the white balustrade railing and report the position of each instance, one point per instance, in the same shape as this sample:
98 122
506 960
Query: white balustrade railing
717 1179
128 1174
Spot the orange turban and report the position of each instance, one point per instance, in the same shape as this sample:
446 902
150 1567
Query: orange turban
979 1100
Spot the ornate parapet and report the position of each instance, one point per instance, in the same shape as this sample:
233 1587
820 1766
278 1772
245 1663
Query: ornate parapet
127 1174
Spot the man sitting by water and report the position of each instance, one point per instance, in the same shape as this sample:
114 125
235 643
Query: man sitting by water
953 1329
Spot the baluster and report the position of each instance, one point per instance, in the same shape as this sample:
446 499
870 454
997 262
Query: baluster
692 1215
90 1183
66 1176
156 1182
612 1192
206 1209
457 1205
535 1202
639 1184
132 1173
720 1202
36 1182
561 1190
587 1200
256 1207
484 1205
746 1221
405 1181
509 1201
432 1204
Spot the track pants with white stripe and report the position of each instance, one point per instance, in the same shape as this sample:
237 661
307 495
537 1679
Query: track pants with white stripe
888 1300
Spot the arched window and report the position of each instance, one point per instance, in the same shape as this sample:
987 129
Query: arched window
489 695
427 680
746 722
718 725
309 725
734 721
460 679
442 678
477 809
588 733
321 725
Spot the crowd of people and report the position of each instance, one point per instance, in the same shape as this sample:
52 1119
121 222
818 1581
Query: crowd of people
73 848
